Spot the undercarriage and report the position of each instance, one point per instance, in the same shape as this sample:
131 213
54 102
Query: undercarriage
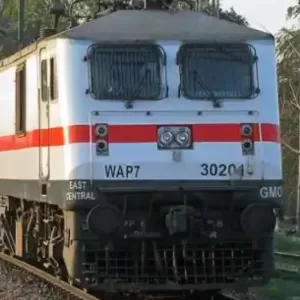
167 242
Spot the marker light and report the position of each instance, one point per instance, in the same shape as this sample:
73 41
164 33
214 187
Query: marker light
247 145
102 146
101 130
246 130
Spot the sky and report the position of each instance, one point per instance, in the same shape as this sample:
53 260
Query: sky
255 12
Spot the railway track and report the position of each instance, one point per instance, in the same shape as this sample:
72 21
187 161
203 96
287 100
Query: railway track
69 292
287 264
73 293
227 296
288 255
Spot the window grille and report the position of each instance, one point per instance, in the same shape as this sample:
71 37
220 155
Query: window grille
221 71
130 72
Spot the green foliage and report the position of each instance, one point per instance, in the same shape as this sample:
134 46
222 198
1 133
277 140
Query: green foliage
288 50
280 289
293 12
37 16
285 286
285 243
232 16
229 15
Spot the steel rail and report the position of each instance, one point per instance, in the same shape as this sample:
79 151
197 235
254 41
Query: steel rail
227 296
287 255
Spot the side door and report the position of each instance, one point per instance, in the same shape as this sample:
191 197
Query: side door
44 119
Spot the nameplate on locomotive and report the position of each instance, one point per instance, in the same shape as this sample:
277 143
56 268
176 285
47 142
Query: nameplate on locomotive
79 190
271 192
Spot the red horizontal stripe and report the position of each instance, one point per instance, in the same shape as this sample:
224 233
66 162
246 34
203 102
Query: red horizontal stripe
132 134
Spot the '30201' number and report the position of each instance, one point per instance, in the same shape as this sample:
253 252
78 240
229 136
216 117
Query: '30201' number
221 170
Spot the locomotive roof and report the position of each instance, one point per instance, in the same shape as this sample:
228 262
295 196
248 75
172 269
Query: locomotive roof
134 25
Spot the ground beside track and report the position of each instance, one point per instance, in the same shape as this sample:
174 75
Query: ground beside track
280 289
16 284
285 285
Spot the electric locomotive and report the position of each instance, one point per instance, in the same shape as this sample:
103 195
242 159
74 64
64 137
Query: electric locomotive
140 153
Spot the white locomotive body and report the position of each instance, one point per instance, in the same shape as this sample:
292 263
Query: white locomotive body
142 110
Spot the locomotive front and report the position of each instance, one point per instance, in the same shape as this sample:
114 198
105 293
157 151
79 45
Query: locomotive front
183 172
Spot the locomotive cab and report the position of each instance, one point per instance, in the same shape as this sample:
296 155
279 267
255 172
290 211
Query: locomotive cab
180 150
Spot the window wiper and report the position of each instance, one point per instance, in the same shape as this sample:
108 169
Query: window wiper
216 102
128 103
233 56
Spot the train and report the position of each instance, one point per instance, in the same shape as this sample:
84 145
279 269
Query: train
140 154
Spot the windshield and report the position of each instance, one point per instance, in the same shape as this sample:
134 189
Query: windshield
226 71
126 72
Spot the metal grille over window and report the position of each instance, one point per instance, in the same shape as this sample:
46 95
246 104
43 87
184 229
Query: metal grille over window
125 72
217 71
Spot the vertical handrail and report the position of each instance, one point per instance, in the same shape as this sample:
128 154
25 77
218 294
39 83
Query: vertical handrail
42 177
91 145
261 148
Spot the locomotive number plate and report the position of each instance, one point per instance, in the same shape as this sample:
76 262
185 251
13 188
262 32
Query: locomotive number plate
221 170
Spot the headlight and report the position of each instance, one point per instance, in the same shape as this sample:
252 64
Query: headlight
166 138
183 138
174 137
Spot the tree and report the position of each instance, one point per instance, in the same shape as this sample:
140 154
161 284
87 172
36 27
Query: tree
229 15
33 22
36 8
288 71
